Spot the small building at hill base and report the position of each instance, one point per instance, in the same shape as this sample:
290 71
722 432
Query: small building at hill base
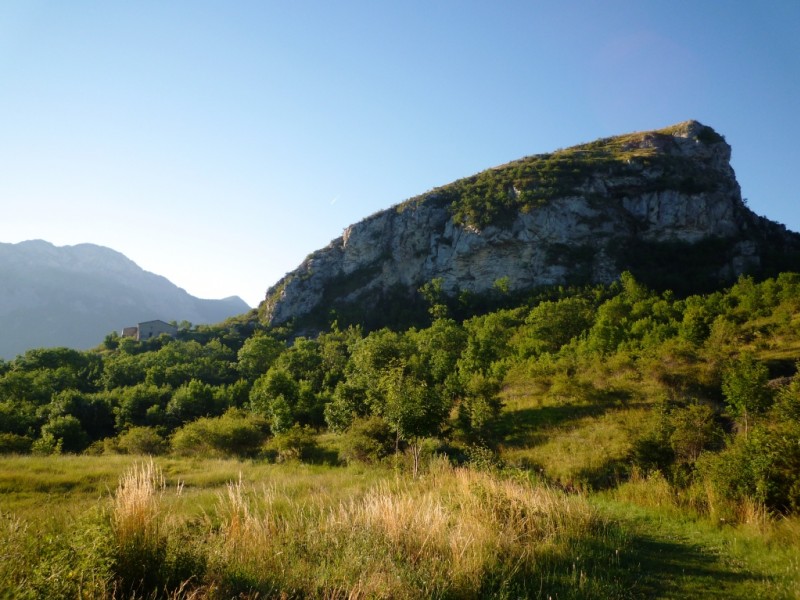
150 329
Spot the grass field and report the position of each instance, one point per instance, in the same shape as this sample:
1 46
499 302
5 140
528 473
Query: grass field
222 529
121 526
560 514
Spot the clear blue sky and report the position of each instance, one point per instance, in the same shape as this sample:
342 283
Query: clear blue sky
219 143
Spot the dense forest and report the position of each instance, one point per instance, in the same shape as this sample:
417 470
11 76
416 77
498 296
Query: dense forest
701 391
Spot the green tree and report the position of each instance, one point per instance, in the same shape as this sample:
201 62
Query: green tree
412 409
125 369
433 293
744 385
694 429
274 396
371 357
134 404
303 362
191 401
479 407
19 417
610 326
92 410
258 354
550 325
438 349
334 350
349 402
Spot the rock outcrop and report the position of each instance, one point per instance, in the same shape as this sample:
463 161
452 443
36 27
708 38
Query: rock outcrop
656 203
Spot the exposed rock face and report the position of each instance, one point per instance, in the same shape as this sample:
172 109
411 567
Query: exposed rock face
674 186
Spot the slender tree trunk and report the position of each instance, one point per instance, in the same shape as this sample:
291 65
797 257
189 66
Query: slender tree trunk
415 450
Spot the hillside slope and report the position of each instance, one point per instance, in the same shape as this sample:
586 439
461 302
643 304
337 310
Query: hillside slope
663 204
75 295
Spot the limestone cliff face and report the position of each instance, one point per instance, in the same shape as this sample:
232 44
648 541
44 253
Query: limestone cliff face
602 206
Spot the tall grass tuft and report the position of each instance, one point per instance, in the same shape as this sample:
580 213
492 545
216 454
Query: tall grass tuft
141 545
453 533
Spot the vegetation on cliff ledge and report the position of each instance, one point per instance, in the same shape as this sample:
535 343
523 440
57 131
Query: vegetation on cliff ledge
645 161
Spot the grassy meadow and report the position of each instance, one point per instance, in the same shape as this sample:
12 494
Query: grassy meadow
611 443
94 527
122 526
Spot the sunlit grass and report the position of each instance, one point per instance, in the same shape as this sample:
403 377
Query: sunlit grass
573 432
300 531
451 533
245 529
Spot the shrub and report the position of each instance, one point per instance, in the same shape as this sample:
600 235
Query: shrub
297 443
12 443
763 467
142 440
233 434
367 440
693 430
67 433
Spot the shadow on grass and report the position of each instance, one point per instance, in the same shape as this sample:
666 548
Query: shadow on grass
621 565
661 556
528 427
605 476
659 568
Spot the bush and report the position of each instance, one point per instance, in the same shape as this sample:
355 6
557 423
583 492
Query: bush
693 429
12 443
142 440
297 443
235 433
67 434
367 440
763 467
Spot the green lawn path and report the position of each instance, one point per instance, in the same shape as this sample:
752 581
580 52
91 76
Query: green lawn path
668 556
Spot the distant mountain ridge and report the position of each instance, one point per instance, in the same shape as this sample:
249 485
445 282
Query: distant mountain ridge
75 295
663 204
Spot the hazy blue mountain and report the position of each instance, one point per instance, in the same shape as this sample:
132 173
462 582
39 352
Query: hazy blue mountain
75 295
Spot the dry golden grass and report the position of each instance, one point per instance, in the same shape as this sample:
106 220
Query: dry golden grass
440 535
137 500
136 523
346 533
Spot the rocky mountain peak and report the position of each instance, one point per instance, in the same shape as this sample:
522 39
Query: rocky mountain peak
664 204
